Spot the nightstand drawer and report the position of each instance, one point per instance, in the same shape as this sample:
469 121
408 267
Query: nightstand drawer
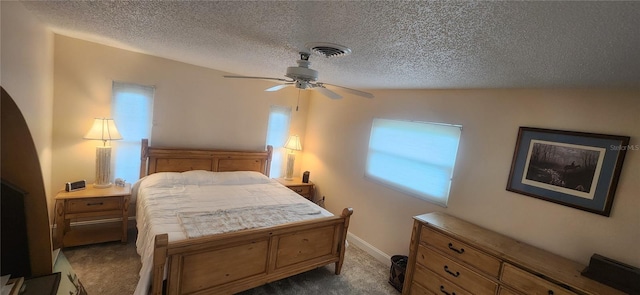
305 189
93 205
301 190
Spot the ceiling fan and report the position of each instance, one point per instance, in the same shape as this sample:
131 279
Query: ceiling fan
302 77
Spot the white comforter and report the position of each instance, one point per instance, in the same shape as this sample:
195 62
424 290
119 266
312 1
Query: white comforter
161 197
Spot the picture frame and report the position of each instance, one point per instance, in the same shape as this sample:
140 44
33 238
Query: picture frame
575 169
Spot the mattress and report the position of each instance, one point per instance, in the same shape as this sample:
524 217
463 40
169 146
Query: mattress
162 197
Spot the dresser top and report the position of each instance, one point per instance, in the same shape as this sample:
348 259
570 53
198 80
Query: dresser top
535 260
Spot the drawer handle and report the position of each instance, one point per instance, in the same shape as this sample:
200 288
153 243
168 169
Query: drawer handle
298 190
455 274
460 251
95 204
445 292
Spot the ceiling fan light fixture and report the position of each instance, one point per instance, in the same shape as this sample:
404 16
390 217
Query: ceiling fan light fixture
328 49
302 85
302 73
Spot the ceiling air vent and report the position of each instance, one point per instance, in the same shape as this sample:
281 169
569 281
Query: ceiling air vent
328 49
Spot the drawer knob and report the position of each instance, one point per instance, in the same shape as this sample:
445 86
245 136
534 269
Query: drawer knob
445 291
460 251
95 204
455 274
550 292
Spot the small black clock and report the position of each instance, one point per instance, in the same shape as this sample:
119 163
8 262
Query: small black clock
75 186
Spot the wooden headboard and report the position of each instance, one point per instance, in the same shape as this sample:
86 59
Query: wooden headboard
153 159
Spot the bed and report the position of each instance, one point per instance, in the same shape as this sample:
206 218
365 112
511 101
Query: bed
180 256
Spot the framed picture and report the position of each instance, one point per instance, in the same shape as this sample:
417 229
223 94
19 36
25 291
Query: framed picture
575 169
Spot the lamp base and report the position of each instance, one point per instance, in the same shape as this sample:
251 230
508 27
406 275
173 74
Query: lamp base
103 167
291 158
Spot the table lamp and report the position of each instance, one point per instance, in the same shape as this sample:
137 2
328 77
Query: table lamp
103 129
293 144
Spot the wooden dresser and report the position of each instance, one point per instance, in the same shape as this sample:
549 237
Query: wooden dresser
451 256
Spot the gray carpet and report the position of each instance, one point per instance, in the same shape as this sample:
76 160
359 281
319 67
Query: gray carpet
112 269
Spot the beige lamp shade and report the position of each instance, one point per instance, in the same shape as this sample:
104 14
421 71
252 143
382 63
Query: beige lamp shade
103 129
293 143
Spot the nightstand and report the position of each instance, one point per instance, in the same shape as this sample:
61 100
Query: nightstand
304 189
91 204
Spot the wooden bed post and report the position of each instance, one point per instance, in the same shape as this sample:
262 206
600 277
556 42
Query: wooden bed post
346 213
159 260
144 154
269 155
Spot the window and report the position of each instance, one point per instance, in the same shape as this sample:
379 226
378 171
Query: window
416 158
132 111
277 134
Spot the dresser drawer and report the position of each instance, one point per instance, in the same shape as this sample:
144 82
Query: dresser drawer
416 289
93 205
530 284
505 291
436 284
461 251
455 272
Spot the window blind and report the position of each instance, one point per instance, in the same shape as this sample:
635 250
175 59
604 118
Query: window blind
132 111
277 134
416 158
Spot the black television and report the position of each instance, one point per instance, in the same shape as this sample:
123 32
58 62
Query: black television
13 231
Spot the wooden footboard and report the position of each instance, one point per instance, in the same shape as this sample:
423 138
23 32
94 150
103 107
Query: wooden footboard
233 262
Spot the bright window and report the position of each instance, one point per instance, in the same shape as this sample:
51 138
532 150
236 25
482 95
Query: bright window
416 158
132 111
277 134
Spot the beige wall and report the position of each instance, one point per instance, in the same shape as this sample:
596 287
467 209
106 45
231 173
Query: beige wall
337 139
192 103
26 73
193 106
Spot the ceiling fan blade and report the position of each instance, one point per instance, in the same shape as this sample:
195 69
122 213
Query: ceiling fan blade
350 90
263 78
278 87
327 92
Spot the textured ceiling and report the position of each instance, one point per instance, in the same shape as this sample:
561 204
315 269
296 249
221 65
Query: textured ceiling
444 44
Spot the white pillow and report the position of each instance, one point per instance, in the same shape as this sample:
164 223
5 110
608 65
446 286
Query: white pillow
202 177
162 179
198 177
240 177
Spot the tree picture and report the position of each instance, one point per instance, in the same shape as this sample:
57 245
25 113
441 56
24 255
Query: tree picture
575 169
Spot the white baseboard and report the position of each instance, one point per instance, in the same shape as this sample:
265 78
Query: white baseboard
371 250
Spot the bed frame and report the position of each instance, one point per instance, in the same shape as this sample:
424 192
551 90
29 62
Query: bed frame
237 261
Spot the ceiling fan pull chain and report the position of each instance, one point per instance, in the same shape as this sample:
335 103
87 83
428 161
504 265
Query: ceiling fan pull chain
298 103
